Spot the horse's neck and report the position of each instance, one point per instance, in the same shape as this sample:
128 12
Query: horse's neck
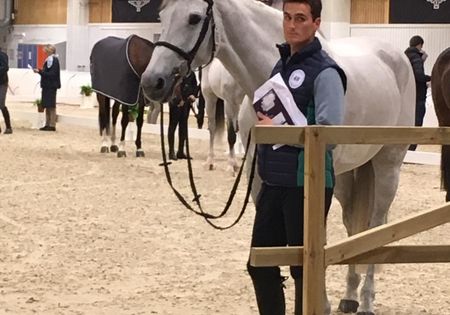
247 32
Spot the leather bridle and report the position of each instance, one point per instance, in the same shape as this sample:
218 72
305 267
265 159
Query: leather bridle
189 56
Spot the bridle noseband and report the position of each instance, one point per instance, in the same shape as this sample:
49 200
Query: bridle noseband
189 56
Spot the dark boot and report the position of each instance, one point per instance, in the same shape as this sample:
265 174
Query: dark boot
7 119
172 156
171 140
269 295
298 297
182 156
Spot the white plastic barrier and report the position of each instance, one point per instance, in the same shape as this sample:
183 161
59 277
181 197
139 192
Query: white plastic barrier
24 86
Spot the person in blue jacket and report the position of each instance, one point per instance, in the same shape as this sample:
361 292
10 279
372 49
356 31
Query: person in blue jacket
50 83
318 85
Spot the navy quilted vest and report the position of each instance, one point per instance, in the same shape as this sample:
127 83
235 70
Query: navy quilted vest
279 167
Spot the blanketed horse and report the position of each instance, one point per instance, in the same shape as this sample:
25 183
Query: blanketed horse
380 92
440 89
116 68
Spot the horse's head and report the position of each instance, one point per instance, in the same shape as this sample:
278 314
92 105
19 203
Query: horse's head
186 42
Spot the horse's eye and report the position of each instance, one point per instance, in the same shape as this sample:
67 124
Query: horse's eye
194 19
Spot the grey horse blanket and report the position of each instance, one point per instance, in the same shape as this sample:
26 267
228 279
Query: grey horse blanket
112 74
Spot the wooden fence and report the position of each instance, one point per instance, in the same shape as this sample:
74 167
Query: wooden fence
365 247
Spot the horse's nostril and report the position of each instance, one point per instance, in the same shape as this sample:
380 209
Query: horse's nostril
160 84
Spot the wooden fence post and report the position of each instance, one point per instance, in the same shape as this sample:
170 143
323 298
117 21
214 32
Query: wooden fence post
314 217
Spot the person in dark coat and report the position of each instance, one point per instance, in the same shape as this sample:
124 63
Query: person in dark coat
50 83
417 57
179 108
3 89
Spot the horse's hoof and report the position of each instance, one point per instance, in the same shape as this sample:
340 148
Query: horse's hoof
348 306
140 154
211 167
104 150
121 154
114 148
365 313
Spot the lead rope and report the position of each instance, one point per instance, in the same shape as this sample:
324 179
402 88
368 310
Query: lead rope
208 217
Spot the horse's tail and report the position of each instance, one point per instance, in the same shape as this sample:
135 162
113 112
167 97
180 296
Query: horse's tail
220 117
445 168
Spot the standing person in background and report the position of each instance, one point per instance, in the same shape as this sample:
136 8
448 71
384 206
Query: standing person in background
317 85
50 83
3 89
417 57
179 108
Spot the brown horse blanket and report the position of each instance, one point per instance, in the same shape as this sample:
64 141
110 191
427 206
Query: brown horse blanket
112 74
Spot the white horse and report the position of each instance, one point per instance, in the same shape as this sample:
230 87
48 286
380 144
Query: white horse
216 83
380 92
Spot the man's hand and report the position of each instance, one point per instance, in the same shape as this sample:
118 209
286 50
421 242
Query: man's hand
191 98
264 120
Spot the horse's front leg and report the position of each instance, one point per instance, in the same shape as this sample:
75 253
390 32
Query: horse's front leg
386 167
367 296
115 114
153 111
344 193
232 111
139 123
124 124
232 163
211 101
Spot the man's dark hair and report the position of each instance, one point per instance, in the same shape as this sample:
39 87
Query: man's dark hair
316 6
415 40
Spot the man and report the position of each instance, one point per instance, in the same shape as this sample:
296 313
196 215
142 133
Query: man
50 83
317 85
417 57
3 90
179 108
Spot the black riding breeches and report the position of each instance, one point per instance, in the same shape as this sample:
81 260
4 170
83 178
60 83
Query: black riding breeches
278 222
178 116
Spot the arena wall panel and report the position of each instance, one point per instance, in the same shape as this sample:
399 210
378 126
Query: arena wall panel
41 12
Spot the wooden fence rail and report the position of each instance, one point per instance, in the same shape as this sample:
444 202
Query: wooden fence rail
365 247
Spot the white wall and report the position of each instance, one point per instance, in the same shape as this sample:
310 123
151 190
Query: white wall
336 18
436 36
31 34
24 86
77 57
99 31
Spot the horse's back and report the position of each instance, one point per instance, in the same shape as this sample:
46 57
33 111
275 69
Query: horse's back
111 73
380 92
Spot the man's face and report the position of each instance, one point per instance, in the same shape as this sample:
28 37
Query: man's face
298 24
